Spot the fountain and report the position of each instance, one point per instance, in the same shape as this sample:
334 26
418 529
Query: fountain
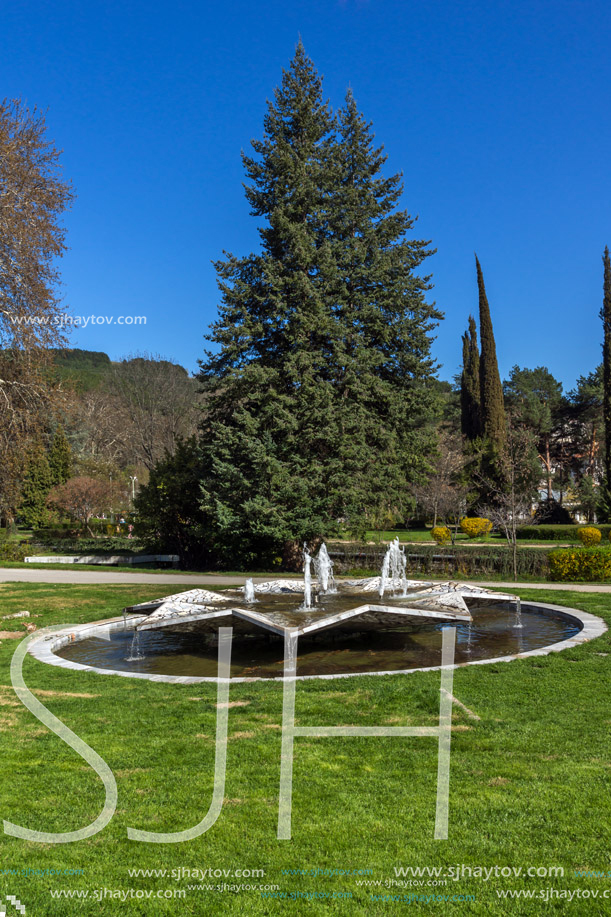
307 578
134 650
393 569
388 619
323 567
382 623
518 618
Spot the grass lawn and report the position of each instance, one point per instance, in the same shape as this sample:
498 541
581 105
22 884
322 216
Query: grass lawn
530 781
121 568
415 536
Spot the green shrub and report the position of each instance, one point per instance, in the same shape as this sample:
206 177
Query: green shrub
441 534
108 545
475 527
555 532
589 536
591 565
10 552
447 561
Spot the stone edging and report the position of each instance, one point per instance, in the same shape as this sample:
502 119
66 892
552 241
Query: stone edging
44 648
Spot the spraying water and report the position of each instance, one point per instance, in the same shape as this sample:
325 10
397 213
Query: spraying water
307 578
384 572
323 567
249 591
134 651
393 568
469 647
518 618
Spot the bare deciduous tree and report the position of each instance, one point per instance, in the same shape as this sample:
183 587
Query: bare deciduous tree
160 402
105 426
444 496
510 498
33 196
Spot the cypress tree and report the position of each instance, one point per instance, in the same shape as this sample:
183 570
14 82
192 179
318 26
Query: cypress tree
35 488
60 457
605 314
318 393
493 422
470 397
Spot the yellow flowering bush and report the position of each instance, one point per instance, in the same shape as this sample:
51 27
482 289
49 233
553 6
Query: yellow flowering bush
589 536
580 564
475 527
441 534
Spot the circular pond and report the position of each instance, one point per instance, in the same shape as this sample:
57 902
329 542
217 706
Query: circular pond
496 632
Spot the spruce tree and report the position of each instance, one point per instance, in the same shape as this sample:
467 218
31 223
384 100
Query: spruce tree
470 397
381 359
318 395
60 457
493 421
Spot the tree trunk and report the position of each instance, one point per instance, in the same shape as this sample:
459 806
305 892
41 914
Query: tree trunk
292 553
592 451
548 466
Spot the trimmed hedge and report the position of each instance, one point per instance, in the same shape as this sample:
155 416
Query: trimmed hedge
90 545
452 561
589 565
556 532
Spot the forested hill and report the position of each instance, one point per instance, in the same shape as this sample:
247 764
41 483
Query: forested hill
86 368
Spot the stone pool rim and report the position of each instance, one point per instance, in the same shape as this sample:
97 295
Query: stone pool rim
44 649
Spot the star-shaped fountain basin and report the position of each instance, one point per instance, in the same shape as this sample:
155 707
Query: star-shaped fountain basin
355 607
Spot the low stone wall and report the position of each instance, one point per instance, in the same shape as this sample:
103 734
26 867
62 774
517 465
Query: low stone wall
104 559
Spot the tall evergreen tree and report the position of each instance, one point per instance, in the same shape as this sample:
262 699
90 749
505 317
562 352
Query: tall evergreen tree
317 395
535 399
587 423
604 507
382 371
35 488
605 314
470 396
493 421
60 457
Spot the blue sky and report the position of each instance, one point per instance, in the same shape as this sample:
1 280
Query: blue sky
496 112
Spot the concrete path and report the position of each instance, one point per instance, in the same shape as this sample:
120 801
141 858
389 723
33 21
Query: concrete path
84 577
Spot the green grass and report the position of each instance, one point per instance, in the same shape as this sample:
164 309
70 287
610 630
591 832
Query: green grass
122 568
145 568
530 780
415 536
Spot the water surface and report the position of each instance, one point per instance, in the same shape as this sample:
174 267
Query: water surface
492 633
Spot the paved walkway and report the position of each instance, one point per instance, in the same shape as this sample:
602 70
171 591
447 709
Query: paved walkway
84 577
